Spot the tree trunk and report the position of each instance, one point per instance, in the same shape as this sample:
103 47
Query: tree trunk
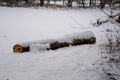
1 2
63 1
10 2
69 3
41 2
83 3
48 2
26 1
78 2
54 2
94 3
90 4
102 3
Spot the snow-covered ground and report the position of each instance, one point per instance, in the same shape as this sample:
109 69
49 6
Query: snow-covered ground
71 63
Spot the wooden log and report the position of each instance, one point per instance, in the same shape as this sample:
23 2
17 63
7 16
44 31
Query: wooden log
19 48
71 40
25 46
83 38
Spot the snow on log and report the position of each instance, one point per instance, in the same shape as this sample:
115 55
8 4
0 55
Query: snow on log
39 47
70 40
25 46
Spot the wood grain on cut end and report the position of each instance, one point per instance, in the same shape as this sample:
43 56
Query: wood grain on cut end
19 49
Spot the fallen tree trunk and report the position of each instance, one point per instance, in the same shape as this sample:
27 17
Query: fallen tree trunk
71 40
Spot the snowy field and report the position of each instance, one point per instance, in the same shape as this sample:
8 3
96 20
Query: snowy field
71 63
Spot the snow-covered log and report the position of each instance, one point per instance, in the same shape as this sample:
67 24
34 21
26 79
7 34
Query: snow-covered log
70 40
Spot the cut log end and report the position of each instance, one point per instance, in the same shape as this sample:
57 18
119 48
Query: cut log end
19 49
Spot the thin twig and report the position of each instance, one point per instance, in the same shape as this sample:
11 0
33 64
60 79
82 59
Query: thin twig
76 21
111 16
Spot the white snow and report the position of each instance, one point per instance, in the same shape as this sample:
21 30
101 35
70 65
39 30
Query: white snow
72 63
39 47
82 35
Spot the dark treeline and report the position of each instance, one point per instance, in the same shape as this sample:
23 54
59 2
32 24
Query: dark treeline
61 3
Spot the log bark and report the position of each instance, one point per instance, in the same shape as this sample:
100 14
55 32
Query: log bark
56 45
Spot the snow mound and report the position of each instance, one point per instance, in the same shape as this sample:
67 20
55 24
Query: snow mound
39 47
